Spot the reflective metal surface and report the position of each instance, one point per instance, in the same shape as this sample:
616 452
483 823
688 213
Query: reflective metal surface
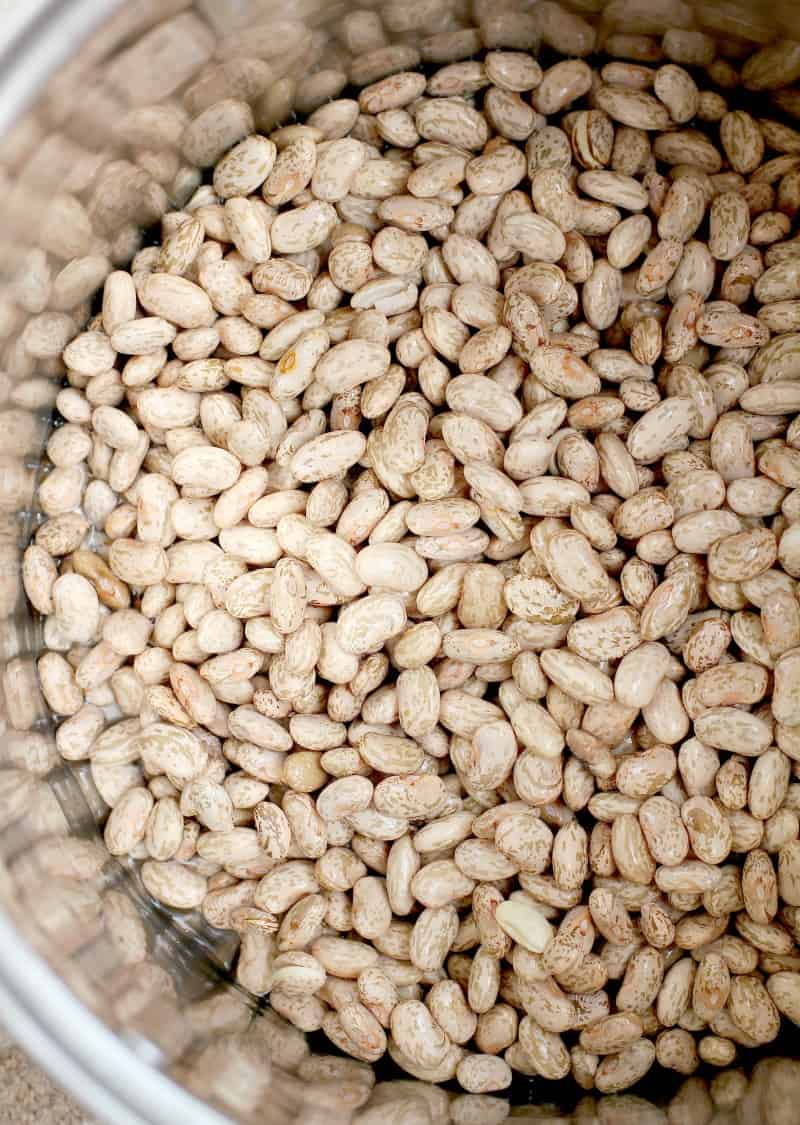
161 1035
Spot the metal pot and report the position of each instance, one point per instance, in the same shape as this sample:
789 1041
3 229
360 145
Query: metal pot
161 1035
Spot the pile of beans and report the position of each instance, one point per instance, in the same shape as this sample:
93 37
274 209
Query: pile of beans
420 556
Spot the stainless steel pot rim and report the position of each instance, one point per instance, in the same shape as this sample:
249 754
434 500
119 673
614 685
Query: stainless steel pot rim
100 1068
39 37
106 1073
